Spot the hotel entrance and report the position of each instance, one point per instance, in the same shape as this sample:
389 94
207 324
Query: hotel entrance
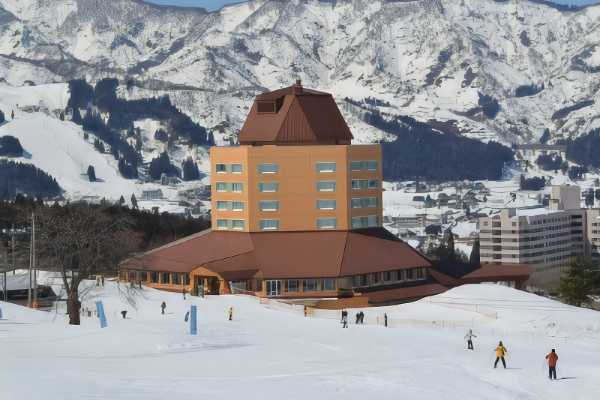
206 285
273 288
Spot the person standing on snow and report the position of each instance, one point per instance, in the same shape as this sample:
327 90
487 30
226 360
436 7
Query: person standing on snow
344 319
231 313
469 336
500 353
162 307
552 358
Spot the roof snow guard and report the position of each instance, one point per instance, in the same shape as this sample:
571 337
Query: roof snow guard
295 115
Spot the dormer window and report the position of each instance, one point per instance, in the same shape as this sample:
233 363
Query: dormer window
266 107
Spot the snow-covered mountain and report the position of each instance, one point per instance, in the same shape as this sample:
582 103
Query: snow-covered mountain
429 59
487 69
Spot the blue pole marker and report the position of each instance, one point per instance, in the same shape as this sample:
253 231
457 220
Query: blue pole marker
100 310
193 321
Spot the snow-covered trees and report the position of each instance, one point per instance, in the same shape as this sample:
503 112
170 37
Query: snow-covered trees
162 165
190 170
10 146
80 241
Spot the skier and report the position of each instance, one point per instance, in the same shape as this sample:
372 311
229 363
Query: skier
385 321
469 336
102 280
357 318
187 316
183 293
344 319
500 353
231 313
124 314
162 307
362 317
552 358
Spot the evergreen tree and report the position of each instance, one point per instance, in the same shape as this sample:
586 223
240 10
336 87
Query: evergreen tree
579 281
190 170
162 165
450 244
2 118
91 173
121 201
134 203
77 116
474 258
10 146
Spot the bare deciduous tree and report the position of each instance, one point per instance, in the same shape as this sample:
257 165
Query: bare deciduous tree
81 241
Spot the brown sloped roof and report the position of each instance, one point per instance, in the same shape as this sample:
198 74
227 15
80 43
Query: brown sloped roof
285 254
303 116
444 279
405 293
499 272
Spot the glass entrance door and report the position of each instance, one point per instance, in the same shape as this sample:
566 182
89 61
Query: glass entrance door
273 288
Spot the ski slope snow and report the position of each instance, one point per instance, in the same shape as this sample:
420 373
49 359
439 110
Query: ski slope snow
271 349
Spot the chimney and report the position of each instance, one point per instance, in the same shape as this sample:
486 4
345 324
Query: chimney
297 88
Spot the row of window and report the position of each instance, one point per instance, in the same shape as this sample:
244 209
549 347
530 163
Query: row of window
273 187
230 205
273 205
377 278
273 224
163 278
364 202
235 224
321 167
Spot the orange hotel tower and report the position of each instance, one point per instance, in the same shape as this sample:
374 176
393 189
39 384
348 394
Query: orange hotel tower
296 213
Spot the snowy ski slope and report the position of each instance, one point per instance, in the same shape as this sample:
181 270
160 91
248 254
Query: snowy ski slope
272 350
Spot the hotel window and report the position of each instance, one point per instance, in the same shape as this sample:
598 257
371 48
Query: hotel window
268 168
370 165
144 276
420 273
325 167
410 274
223 205
269 205
326 223
364 202
375 277
222 186
268 187
237 187
364 184
221 168
387 276
236 168
164 278
237 224
292 285
186 279
269 224
237 206
369 221
328 284
222 224
401 275
154 277
175 278
326 186
310 285
326 204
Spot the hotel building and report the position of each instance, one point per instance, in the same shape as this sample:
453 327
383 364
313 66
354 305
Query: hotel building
296 213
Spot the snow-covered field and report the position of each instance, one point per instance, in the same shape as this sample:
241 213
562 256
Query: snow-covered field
273 350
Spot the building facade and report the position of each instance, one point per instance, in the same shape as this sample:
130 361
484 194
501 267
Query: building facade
547 239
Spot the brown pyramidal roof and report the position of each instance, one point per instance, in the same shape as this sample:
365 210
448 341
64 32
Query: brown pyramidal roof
295 115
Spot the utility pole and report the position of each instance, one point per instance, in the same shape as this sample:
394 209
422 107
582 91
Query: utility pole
34 262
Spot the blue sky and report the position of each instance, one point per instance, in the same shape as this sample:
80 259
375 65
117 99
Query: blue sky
214 4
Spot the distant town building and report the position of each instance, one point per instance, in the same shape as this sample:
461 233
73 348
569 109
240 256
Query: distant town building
547 238
155 194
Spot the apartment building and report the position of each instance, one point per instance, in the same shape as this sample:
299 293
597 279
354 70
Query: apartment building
547 239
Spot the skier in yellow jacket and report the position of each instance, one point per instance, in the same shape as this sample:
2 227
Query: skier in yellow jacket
500 353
